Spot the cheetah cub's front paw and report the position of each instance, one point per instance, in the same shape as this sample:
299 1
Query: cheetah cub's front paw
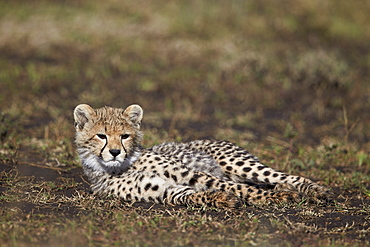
285 197
320 194
224 200
313 192
219 199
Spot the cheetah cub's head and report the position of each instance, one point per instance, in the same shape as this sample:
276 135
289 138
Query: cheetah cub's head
108 139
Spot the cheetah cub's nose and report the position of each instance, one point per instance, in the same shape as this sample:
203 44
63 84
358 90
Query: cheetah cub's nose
114 152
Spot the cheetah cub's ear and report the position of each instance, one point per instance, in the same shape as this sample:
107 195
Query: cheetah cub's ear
134 113
82 114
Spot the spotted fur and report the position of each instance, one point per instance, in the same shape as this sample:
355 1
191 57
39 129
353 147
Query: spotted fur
202 172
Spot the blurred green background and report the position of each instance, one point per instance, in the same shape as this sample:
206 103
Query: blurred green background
241 70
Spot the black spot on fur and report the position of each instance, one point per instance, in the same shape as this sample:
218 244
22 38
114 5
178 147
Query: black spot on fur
193 181
266 173
155 187
247 169
209 183
147 186
239 163
184 174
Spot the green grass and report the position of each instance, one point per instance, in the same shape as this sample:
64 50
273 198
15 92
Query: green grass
286 80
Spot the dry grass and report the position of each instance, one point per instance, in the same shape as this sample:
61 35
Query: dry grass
287 80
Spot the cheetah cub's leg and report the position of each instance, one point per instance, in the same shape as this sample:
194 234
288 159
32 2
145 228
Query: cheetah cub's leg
181 174
149 187
247 193
170 170
241 166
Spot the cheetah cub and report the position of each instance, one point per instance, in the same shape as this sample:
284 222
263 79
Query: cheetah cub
202 172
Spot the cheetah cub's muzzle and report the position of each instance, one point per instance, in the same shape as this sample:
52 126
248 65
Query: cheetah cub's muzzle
113 148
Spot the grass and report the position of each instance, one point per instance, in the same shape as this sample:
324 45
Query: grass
286 80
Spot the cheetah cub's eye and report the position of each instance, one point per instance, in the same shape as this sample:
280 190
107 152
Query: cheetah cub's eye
102 136
125 136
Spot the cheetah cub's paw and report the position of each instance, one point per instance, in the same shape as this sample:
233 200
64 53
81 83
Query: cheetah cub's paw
219 199
225 200
314 193
285 197
320 195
